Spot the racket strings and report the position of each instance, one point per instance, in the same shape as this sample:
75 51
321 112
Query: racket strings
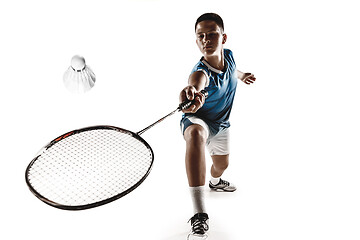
90 166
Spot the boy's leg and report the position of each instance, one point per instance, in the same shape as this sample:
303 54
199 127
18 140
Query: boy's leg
195 137
219 150
220 164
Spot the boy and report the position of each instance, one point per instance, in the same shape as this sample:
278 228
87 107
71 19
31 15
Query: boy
206 123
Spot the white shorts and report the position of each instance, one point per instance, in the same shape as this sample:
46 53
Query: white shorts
217 144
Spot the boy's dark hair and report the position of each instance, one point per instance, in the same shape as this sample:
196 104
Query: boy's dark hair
212 17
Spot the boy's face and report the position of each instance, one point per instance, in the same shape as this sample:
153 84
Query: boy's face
209 38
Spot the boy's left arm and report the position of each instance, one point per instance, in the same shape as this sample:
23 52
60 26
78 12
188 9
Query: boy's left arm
247 78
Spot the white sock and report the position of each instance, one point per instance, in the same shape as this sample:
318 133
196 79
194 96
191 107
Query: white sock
214 181
198 199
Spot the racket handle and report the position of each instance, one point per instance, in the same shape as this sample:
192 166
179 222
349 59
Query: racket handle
187 103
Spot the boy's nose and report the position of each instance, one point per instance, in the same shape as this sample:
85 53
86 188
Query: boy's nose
206 39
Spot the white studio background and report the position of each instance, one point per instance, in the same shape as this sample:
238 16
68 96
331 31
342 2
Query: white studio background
295 133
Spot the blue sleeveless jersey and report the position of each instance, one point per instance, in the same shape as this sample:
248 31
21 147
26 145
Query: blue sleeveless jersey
221 87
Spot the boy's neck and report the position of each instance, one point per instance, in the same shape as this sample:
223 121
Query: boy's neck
216 61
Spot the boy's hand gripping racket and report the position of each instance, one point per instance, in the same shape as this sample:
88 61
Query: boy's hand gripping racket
92 166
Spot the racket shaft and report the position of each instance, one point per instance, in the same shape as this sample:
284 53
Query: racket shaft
184 105
158 121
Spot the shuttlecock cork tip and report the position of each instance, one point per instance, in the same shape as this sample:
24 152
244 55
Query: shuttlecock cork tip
78 63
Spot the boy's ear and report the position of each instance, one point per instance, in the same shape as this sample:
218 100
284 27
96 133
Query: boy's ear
224 38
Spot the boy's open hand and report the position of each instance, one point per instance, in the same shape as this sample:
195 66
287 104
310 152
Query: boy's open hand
248 78
190 93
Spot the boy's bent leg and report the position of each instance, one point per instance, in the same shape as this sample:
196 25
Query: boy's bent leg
218 147
220 164
195 137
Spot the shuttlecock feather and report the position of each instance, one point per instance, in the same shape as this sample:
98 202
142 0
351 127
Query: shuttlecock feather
79 78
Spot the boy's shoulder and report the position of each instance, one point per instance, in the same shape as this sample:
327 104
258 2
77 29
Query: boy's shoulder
200 65
227 51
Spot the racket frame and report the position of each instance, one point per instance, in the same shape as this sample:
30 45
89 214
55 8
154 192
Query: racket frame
95 204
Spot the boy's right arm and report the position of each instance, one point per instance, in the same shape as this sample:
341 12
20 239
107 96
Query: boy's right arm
197 82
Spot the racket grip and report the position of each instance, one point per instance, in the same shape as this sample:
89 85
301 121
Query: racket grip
187 103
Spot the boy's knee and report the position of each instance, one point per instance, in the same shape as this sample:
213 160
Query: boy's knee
195 133
224 165
220 162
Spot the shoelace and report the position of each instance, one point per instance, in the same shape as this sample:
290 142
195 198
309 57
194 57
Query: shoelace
224 182
198 224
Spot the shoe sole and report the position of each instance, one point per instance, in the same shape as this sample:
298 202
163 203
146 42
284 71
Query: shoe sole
221 190
192 236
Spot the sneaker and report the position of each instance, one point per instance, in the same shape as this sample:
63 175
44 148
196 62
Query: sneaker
199 225
222 186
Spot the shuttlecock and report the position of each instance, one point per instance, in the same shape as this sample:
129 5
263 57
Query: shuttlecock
79 78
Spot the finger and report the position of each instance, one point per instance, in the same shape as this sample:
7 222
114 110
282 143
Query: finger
191 109
250 79
197 104
182 96
190 92
250 75
201 98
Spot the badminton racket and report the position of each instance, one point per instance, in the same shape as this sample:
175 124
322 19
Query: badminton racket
92 166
